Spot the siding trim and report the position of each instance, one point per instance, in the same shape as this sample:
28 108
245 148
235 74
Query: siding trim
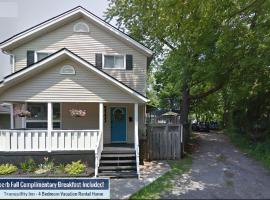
74 56
70 13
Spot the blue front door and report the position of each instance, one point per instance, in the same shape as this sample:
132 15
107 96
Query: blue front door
118 124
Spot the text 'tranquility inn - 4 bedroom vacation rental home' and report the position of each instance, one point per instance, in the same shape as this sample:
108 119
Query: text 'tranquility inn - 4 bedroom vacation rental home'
77 86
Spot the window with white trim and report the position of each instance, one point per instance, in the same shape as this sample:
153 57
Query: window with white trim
67 70
38 118
81 27
41 55
114 62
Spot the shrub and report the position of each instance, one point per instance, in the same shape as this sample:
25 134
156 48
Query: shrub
28 165
7 169
24 166
60 169
31 165
48 166
75 168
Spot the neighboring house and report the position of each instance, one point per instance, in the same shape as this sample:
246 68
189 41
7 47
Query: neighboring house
76 61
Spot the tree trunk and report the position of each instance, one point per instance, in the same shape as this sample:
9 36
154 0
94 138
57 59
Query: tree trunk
184 111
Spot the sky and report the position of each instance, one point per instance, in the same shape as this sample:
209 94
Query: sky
18 15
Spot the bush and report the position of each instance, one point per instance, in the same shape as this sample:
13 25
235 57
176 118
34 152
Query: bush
48 166
75 168
28 166
7 169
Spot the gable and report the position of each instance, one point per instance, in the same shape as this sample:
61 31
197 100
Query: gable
50 85
14 80
86 45
59 20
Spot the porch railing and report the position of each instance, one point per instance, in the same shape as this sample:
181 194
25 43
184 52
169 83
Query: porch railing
98 151
39 140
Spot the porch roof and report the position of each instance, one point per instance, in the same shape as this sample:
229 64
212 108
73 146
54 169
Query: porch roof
28 72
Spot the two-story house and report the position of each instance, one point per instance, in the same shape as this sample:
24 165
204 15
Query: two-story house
77 84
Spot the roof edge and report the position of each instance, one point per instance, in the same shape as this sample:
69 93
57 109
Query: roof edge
4 44
67 51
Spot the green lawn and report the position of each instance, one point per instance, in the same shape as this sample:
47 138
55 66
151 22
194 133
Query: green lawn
163 183
260 151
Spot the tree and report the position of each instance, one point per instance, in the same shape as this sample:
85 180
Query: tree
204 45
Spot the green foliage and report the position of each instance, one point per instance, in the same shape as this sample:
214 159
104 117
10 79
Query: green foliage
258 150
206 47
28 166
24 167
75 168
31 165
163 183
7 169
47 166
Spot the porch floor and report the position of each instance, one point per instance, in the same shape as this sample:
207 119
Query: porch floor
118 147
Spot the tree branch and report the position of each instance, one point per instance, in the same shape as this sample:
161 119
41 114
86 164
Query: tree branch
168 44
207 93
247 7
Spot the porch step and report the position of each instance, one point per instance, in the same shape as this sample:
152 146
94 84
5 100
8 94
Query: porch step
118 152
118 174
117 163
116 168
115 155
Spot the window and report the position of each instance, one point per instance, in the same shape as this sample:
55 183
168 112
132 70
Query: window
41 55
67 69
114 62
12 63
81 27
38 118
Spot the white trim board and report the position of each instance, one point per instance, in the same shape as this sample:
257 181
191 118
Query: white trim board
68 53
73 12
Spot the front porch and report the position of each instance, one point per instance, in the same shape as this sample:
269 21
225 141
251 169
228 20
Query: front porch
94 135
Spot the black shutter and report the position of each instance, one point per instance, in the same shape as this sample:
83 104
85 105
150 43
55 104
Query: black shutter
30 57
129 62
99 60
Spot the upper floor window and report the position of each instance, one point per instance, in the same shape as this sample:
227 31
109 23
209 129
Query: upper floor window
41 55
81 27
12 63
67 70
114 62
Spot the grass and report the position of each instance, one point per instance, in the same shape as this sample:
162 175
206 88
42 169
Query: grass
260 151
164 183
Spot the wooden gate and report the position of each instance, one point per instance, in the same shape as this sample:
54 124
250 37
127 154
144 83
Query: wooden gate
164 142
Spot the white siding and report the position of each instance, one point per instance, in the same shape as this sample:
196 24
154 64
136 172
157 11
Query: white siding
86 45
50 85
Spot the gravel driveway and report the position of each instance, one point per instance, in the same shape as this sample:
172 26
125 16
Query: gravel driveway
220 171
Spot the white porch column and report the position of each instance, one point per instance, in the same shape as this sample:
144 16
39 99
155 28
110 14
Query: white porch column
11 116
49 125
24 107
101 114
136 135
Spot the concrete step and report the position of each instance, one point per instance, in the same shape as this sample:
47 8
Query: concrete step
116 168
117 161
110 155
118 174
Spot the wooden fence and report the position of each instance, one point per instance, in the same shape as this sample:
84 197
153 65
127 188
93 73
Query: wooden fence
164 142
